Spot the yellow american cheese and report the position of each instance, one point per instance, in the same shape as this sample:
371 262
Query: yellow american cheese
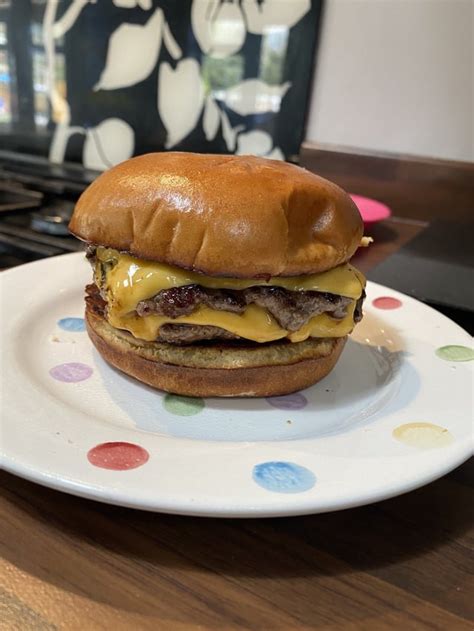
324 326
254 324
131 280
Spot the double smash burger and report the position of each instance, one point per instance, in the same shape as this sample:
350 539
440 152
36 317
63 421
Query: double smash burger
219 275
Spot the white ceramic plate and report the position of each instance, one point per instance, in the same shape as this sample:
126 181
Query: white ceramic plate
395 413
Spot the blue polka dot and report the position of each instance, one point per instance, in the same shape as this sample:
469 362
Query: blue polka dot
74 325
283 477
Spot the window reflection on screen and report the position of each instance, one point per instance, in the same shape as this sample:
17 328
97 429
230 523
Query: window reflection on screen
5 78
40 86
40 78
3 34
273 54
60 74
36 34
221 74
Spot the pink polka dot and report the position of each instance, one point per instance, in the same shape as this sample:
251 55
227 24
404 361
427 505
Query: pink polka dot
386 302
71 372
118 456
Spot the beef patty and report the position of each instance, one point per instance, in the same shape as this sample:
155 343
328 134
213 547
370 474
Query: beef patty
290 309
172 333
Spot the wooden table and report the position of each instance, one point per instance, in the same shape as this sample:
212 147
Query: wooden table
406 563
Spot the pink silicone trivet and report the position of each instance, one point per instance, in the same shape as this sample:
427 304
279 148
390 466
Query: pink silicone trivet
370 209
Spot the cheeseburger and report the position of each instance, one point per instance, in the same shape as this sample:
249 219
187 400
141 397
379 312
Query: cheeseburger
219 275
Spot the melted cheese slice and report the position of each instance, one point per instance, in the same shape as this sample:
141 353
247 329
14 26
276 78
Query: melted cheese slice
255 324
131 280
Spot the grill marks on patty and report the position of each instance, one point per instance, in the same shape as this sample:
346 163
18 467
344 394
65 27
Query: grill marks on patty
94 300
180 301
291 309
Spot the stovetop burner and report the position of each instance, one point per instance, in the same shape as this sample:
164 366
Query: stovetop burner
53 218
35 208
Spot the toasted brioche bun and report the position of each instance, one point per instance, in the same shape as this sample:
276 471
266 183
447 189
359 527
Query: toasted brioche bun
216 371
238 216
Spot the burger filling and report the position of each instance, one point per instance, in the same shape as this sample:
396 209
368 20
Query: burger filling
159 302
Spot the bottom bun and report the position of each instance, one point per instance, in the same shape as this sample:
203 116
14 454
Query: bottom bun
230 370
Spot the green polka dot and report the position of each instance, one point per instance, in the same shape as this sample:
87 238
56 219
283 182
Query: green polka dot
454 353
183 406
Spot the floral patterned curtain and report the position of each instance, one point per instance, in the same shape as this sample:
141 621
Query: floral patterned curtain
121 77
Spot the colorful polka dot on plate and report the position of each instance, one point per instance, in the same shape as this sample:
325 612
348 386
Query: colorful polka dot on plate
283 477
455 353
423 435
73 325
118 456
387 302
183 406
71 372
295 401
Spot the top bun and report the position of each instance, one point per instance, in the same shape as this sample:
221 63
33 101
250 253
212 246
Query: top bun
222 215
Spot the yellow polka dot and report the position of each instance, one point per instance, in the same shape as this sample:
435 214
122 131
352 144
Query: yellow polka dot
423 435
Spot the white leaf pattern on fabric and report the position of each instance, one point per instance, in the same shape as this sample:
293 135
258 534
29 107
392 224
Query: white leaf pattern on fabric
228 31
132 53
228 132
255 142
59 104
273 13
62 26
202 14
131 4
258 143
218 27
125 4
171 44
180 99
111 142
253 96
211 119
276 154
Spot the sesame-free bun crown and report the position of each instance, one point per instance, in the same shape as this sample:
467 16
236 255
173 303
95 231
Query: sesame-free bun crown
238 216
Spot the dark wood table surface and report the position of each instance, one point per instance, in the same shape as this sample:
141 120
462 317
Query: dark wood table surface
405 563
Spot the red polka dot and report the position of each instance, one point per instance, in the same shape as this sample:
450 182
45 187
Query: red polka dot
385 302
118 456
